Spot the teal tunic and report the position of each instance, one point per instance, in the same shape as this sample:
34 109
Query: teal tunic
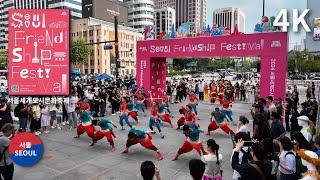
140 134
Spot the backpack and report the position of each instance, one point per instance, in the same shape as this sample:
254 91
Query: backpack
299 166
247 157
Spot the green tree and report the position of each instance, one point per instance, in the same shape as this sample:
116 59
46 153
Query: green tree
79 52
3 59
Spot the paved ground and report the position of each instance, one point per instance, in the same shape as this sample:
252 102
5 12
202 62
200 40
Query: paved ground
67 158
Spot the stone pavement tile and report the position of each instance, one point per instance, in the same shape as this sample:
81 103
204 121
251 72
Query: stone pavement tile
83 172
59 163
108 160
36 172
181 176
114 174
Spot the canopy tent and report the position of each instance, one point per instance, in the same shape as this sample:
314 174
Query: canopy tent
103 76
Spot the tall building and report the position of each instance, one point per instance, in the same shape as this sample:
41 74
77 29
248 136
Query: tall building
101 60
140 13
105 10
5 5
75 7
159 4
165 18
193 11
229 17
313 21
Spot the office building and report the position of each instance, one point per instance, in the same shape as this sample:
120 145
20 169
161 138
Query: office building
105 10
193 11
165 18
100 60
160 4
140 13
75 7
313 21
229 17
5 5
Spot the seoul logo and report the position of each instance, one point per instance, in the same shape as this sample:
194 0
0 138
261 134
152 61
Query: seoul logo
26 149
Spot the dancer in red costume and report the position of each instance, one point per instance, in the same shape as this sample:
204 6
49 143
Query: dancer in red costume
86 122
133 112
105 131
221 92
192 142
218 121
190 116
163 115
213 92
136 136
181 121
140 101
193 102
124 113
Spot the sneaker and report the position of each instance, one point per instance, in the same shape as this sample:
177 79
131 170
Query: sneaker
63 124
37 133
162 136
59 128
53 127
46 132
113 114
67 122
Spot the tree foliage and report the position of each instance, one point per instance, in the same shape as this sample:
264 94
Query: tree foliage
3 60
300 60
79 52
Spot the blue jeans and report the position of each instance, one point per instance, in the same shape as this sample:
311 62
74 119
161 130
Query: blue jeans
23 124
124 118
140 106
155 122
194 107
73 120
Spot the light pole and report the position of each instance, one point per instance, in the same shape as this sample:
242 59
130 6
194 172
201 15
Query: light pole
263 6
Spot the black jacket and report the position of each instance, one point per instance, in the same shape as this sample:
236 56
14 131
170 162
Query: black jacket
247 171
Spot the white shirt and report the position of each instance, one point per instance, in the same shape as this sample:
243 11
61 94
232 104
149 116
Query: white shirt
212 168
289 161
201 87
244 128
71 107
236 175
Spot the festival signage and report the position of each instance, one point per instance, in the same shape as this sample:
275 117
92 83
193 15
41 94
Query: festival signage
271 47
38 52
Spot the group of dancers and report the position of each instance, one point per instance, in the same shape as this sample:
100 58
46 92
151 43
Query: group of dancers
97 128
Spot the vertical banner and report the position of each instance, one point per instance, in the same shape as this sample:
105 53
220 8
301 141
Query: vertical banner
273 76
158 77
38 52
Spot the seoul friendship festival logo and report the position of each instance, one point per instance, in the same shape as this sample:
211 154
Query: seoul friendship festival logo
26 149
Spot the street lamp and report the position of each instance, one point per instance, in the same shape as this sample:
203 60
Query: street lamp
263 6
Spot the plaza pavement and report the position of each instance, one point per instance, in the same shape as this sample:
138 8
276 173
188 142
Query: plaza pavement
72 159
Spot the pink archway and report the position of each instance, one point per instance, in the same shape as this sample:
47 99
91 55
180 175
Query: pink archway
270 47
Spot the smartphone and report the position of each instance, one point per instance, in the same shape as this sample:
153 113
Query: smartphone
247 143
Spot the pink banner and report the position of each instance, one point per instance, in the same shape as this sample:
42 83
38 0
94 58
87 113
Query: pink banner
271 47
38 52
